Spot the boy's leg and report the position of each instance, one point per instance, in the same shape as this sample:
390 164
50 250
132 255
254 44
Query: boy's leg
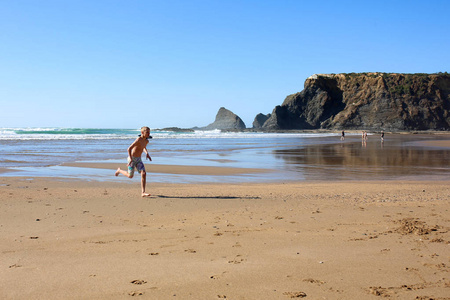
143 183
125 173
141 169
130 172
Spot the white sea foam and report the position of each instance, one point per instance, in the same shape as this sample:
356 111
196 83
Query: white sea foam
120 134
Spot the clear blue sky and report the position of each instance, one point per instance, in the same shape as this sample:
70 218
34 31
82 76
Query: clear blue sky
124 64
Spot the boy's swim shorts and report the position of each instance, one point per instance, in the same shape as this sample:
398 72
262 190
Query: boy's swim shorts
136 164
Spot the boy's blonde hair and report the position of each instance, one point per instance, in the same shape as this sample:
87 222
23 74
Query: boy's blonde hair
144 129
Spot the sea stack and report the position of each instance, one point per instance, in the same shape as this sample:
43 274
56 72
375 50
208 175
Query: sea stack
226 120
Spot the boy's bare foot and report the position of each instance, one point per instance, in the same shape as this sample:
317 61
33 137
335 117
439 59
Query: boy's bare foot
118 172
145 195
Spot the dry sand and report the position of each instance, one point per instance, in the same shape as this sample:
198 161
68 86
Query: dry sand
340 240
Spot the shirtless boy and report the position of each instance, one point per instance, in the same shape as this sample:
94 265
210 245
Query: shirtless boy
134 158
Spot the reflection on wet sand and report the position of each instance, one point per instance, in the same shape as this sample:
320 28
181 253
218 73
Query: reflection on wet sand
367 160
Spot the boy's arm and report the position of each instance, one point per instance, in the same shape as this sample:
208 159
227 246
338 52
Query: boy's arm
146 151
148 155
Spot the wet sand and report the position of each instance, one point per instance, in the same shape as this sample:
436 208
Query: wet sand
400 157
74 239
174 169
437 143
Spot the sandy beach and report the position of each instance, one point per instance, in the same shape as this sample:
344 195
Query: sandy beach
69 239
225 150
313 219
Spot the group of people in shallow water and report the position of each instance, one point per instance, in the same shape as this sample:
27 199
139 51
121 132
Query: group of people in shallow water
364 136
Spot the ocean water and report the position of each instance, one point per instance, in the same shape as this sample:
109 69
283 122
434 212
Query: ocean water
34 152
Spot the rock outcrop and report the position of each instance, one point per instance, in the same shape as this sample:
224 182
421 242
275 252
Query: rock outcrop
367 101
260 119
177 129
226 120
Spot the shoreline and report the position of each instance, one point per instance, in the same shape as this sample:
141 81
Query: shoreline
207 166
333 240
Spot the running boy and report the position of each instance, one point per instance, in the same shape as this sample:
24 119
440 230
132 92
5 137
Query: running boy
134 158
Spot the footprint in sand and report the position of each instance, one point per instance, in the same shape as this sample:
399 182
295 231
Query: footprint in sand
310 280
438 240
237 260
441 266
15 266
139 282
295 294
218 276
379 291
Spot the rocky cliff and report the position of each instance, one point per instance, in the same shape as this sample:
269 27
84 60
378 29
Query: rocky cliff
226 120
260 119
367 101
